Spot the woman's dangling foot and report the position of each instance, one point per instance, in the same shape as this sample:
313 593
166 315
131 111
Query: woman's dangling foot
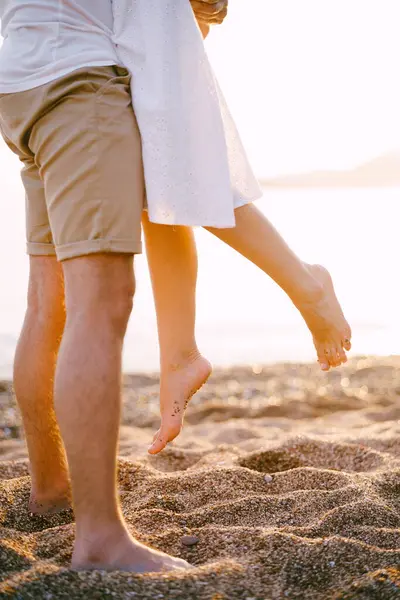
325 319
179 382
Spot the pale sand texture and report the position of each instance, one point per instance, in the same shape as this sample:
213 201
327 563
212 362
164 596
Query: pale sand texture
324 524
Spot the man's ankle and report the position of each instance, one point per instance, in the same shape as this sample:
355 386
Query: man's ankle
97 526
49 490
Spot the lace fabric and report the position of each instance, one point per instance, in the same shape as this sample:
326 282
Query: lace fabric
195 167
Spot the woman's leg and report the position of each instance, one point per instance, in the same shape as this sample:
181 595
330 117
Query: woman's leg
172 258
173 266
309 286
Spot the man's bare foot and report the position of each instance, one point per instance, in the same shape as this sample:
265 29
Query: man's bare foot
48 507
325 319
121 552
51 502
178 384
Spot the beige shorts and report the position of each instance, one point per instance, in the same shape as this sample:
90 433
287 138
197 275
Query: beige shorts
82 169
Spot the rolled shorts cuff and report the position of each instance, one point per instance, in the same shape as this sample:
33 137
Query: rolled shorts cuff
76 249
40 249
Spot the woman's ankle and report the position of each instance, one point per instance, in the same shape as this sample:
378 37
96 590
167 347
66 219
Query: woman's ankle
306 288
178 359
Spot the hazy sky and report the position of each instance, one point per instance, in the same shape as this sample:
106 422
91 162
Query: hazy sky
311 83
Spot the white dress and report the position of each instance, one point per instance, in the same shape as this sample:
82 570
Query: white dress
196 170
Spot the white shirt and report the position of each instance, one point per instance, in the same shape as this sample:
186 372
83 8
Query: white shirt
47 39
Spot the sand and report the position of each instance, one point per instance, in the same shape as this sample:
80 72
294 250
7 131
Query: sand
288 481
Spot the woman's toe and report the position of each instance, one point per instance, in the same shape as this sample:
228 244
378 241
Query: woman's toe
341 355
346 343
159 442
346 339
322 358
331 353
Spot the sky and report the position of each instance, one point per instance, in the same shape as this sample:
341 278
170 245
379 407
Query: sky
311 85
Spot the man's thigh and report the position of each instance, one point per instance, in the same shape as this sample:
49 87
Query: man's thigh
79 140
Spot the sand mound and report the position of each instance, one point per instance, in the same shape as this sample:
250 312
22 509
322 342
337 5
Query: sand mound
289 479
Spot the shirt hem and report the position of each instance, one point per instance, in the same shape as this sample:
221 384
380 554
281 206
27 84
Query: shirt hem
26 86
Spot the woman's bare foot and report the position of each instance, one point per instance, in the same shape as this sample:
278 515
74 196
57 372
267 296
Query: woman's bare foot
325 319
179 383
119 551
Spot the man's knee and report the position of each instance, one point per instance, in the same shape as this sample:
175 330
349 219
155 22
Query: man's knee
100 288
118 303
46 292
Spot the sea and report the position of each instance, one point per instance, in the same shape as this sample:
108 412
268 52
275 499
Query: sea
242 316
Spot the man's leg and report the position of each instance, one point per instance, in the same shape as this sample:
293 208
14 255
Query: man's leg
172 258
99 290
34 368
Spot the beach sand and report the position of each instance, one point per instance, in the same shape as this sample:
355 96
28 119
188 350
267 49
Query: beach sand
288 479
